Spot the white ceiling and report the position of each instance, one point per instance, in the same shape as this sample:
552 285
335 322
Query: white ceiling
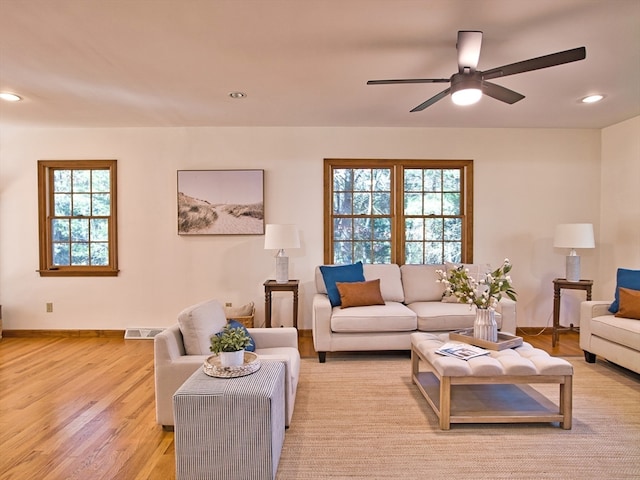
306 62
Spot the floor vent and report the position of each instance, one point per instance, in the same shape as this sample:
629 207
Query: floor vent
141 333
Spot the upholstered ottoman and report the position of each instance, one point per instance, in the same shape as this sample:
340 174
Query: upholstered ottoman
486 389
230 427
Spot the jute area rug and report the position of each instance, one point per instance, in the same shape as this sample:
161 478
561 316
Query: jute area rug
360 417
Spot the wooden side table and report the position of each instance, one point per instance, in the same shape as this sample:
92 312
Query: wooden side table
558 285
273 286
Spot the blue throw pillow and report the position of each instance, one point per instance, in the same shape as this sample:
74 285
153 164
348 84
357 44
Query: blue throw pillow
235 324
625 279
340 273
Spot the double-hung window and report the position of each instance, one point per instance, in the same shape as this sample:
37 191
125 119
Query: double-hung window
77 217
398 211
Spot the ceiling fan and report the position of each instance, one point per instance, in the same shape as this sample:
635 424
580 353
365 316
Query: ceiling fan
468 85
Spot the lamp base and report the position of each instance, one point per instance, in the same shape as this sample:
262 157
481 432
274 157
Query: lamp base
573 268
282 269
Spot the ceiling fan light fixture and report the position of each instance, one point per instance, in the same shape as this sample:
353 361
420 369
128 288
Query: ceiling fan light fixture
466 89
468 96
10 97
592 98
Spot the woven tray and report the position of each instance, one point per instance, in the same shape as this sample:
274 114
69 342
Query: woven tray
213 368
505 340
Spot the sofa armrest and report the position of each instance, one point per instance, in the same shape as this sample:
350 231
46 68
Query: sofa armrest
168 345
594 308
588 310
321 322
507 309
275 337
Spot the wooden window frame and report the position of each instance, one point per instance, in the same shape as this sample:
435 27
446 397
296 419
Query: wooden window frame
45 201
397 215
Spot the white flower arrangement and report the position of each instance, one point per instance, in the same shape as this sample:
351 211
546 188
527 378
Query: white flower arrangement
485 292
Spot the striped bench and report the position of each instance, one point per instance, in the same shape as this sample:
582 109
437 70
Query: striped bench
230 427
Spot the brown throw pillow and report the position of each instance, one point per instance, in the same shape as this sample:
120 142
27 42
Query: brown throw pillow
360 294
629 303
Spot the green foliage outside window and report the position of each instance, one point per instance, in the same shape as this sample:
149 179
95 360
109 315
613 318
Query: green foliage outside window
363 217
77 217
80 225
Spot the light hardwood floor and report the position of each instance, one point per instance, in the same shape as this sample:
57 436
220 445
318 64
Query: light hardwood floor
83 408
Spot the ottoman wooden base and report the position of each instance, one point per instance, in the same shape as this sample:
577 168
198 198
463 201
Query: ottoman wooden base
457 394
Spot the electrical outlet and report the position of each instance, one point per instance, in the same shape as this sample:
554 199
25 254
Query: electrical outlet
49 307
228 304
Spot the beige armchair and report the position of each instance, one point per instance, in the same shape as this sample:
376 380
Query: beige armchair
173 365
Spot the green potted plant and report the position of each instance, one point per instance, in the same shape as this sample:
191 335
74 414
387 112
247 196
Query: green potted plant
229 345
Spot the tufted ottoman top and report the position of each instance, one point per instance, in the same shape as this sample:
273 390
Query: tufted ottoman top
523 360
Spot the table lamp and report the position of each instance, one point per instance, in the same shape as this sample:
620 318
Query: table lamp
279 237
574 235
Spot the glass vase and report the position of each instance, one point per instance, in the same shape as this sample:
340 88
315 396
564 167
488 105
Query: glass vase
485 326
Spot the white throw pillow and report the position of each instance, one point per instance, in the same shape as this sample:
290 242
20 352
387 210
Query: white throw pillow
198 323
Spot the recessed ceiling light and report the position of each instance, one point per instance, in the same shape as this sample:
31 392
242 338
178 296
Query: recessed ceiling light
9 97
592 98
237 95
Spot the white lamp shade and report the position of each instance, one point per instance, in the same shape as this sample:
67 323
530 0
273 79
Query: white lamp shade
279 237
574 235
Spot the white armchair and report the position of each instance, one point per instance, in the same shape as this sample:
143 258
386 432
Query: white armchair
173 365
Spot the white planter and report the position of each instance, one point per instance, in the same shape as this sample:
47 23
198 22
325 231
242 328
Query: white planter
232 359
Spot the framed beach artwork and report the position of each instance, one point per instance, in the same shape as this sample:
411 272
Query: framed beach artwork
220 202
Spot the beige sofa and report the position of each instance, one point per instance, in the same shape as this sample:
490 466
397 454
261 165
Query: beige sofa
413 303
616 339
173 364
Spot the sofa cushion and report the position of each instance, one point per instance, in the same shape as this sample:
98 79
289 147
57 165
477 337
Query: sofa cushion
198 323
390 280
340 273
623 331
360 294
421 284
629 303
439 317
625 278
391 317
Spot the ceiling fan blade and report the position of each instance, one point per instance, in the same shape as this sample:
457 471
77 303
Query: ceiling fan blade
469 43
432 100
537 63
409 80
501 93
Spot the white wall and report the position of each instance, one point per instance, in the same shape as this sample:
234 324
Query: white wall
526 182
620 206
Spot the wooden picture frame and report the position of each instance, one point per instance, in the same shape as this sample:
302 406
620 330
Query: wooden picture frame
220 202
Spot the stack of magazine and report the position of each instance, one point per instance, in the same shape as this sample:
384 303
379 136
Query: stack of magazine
462 351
